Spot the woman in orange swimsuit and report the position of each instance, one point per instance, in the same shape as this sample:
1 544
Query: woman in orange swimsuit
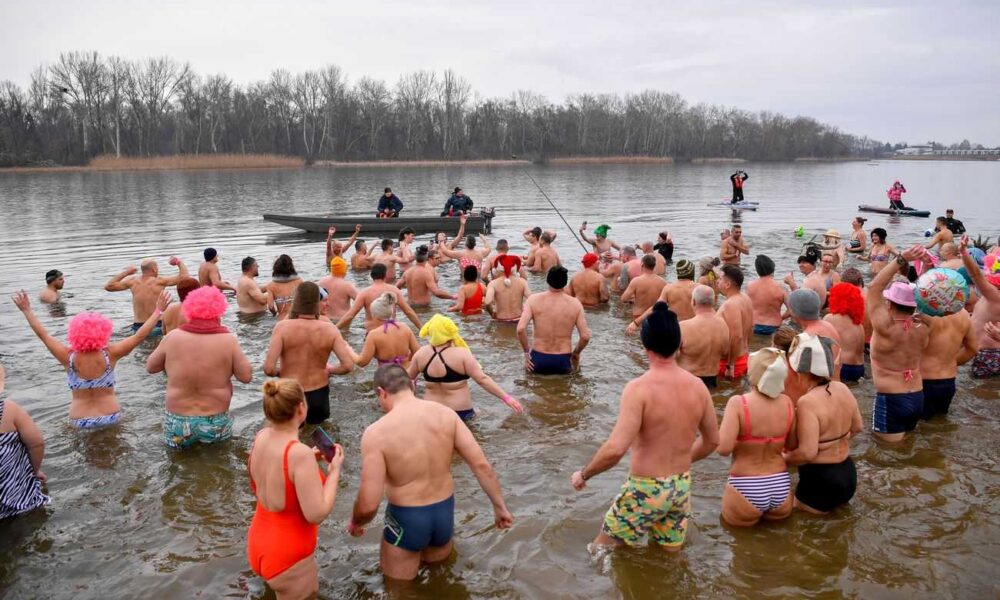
293 496
469 300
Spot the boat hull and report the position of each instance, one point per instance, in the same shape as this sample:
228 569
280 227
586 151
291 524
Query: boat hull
885 210
475 223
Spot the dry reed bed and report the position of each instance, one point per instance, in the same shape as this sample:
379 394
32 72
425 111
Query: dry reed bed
167 163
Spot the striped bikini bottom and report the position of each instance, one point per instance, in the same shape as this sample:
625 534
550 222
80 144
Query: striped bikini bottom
765 492
97 422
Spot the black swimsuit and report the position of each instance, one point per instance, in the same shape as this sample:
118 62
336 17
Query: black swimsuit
450 375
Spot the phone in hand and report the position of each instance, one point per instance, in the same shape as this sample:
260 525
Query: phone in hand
324 443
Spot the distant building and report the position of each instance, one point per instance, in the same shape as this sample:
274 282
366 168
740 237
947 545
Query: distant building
926 150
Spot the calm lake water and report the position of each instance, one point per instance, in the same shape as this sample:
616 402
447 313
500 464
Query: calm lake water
131 519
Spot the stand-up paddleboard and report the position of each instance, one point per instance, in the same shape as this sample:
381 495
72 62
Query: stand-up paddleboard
885 210
737 206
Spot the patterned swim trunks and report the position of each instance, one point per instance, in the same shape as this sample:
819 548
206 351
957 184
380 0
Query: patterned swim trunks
182 431
659 507
987 363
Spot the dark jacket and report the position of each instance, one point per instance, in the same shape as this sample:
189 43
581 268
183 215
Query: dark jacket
457 204
955 226
392 202
741 177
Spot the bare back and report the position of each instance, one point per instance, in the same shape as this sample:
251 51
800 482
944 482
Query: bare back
508 300
768 297
851 338
586 287
704 342
948 336
306 345
200 368
677 295
554 315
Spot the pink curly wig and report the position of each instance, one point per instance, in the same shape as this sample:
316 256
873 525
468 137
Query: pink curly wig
204 303
846 299
89 332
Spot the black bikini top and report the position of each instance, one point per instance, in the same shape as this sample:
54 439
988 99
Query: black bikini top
450 375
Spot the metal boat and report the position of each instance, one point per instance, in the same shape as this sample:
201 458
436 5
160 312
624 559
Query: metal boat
480 221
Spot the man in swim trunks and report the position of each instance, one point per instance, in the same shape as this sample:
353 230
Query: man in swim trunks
145 288
705 338
420 282
546 256
555 315
407 455
250 297
208 272
54 282
987 310
733 246
660 414
677 295
340 292
505 297
767 296
300 347
813 277
737 311
200 358
952 343
898 344
369 294
644 290
588 286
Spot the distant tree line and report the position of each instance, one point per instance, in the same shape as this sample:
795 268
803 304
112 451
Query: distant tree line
86 105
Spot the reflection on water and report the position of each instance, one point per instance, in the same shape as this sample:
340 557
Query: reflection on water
131 519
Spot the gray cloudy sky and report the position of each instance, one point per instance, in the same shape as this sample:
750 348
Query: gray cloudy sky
895 71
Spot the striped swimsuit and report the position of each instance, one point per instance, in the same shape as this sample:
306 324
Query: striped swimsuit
20 490
764 492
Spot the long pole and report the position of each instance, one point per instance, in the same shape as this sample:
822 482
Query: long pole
552 204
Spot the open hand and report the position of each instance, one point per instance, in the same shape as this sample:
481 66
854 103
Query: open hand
963 244
330 231
163 301
528 365
513 404
21 301
913 253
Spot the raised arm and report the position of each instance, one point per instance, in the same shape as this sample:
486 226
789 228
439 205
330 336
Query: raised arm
350 241
877 310
329 245
986 289
182 273
59 350
472 454
118 283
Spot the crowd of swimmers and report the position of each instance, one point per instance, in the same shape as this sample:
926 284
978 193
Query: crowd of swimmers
798 408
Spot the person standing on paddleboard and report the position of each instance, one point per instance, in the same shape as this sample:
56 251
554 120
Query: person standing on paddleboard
738 178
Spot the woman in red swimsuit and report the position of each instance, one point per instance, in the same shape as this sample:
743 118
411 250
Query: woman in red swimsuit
293 496
470 296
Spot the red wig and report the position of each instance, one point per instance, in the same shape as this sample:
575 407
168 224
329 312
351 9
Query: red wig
846 299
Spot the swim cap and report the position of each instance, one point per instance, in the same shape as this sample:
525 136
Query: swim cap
812 354
804 304
383 306
767 371
602 231
52 275
661 332
557 277
685 269
763 265
338 266
440 330
589 260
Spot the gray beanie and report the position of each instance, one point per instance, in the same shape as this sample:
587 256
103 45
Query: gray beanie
804 304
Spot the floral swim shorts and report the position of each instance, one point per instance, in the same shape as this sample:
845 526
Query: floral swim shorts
659 507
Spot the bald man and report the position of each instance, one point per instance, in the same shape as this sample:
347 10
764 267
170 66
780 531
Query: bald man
146 288
704 338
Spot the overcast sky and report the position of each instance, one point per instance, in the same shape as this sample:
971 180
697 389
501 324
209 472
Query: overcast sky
896 71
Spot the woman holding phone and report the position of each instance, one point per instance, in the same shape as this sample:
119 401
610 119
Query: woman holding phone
293 495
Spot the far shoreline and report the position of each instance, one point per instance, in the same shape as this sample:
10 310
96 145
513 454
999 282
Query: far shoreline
104 164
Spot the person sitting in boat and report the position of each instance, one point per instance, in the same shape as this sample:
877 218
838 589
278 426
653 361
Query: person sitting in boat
895 194
389 205
738 178
458 204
